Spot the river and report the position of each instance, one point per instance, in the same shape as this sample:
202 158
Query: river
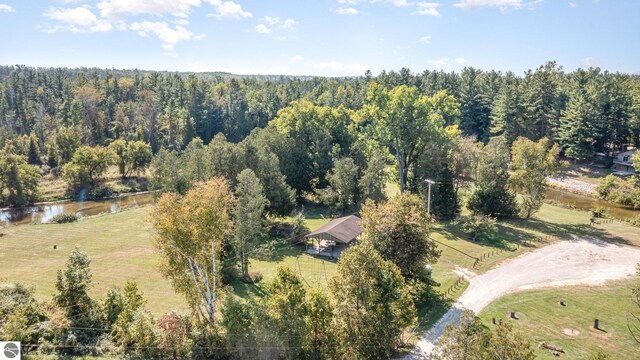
43 213
582 202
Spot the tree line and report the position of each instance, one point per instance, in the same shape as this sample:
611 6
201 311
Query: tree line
585 111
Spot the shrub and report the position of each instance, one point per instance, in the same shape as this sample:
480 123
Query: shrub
65 218
598 212
255 277
480 227
100 192
298 226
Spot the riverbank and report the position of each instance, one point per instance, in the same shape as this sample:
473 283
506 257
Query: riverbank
573 185
54 188
43 212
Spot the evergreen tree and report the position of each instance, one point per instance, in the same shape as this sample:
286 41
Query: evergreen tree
34 153
507 112
248 217
474 112
492 195
540 98
575 130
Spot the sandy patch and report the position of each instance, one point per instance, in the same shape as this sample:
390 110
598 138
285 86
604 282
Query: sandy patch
570 332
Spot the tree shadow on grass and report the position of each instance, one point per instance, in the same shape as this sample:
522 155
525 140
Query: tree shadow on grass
278 252
248 291
568 231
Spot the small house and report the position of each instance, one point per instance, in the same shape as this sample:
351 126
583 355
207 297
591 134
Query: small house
331 239
622 163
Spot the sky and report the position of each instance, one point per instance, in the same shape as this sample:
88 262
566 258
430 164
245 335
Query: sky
321 37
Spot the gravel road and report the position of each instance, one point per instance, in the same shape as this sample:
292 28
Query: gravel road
570 262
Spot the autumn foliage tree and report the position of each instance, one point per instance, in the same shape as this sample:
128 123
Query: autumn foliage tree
189 234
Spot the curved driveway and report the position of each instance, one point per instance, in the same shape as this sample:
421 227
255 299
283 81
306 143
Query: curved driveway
569 262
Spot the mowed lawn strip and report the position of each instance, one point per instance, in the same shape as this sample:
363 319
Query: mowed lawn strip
542 318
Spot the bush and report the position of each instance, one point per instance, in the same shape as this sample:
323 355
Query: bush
598 212
65 218
100 192
480 227
298 226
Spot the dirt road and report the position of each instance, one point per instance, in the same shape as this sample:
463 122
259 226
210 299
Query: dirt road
569 262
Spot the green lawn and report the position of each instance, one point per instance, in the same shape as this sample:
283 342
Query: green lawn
119 245
542 318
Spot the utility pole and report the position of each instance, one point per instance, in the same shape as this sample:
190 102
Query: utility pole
430 182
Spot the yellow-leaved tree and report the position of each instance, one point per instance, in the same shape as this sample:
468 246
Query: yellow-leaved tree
189 235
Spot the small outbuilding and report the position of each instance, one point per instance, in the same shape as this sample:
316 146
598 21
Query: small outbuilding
331 239
622 163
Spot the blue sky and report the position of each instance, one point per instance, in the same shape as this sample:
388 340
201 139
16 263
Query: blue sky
321 37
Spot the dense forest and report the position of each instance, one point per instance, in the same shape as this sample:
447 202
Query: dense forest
585 111
313 130
234 156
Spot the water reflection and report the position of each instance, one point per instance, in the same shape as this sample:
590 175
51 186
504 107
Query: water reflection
44 213
582 202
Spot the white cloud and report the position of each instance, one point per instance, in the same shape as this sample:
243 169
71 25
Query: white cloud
421 7
346 11
573 5
168 36
113 9
228 10
197 67
427 8
590 62
440 64
271 20
262 29
297 59
472 4
445 63
288 24
335 66
268 24
6 8
79 19
425 39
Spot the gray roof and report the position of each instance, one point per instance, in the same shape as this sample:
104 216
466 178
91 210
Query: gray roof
343 230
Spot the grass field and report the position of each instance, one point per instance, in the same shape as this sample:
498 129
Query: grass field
121 249
119 246
542 318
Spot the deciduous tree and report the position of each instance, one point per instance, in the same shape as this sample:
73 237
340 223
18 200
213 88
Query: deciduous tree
531 163
399 231
189 234
372 305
